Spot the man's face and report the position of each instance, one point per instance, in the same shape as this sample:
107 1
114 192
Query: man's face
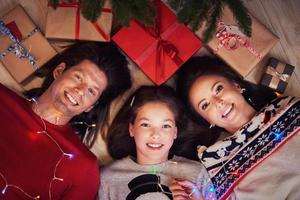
76 90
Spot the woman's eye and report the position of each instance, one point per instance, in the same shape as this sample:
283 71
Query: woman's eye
219 88
204 106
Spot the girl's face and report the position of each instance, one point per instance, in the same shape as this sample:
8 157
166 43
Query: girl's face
154 131
220 102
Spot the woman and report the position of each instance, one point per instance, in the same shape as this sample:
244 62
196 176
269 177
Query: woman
141 138
258 132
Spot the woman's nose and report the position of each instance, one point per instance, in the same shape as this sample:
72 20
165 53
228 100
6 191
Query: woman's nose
219 102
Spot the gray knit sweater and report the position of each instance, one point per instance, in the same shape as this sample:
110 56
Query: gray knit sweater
125 179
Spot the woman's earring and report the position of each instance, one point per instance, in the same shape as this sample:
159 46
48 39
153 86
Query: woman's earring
211 125
242 90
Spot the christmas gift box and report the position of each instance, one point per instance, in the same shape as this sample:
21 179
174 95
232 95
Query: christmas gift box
277 75
160 50
66 22
242 53
23 49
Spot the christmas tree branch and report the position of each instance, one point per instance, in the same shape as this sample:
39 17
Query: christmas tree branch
241 14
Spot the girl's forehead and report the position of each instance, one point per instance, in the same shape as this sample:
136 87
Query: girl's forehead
153 107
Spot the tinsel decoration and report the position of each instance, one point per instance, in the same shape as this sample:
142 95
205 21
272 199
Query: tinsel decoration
197 13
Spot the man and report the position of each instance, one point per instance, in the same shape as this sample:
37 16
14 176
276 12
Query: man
41 157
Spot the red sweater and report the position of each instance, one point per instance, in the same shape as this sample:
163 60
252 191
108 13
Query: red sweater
28 160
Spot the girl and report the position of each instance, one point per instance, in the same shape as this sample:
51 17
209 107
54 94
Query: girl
257 134
141 138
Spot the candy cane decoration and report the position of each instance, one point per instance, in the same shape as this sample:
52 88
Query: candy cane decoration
231 38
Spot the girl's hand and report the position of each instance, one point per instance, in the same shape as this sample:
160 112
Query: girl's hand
184 190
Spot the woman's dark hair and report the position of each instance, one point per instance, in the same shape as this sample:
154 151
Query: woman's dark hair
256 95
108 58
119 142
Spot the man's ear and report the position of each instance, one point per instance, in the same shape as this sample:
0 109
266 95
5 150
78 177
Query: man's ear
59 69
130 128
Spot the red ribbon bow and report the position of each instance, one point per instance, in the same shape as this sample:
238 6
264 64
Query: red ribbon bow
77 22
161 46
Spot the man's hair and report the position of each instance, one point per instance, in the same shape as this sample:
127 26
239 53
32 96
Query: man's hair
109 60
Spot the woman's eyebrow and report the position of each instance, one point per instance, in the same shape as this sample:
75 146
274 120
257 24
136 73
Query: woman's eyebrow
213 86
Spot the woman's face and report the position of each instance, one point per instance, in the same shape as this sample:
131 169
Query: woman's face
220 102
154 130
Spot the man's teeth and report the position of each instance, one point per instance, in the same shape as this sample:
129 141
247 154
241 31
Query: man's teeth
71 99
154 145
227 111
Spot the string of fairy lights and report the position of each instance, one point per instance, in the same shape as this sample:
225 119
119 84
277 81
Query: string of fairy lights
277 137
55 177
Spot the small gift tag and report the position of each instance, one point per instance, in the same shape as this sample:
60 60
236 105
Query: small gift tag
277 75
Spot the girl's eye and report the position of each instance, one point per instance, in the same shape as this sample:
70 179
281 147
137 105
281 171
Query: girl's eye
166 126
145 125
219 88
204 106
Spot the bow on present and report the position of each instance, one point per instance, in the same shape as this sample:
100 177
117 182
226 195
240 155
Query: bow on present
76 5
161 46
16 47
231 38
273 72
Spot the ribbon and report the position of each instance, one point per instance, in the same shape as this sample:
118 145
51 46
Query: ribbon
231 38
77 20
273 72
161 46
16 47
277 75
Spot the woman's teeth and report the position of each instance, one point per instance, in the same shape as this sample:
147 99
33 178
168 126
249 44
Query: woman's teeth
227 111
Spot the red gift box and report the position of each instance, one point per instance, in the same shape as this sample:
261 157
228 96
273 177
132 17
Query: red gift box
159 51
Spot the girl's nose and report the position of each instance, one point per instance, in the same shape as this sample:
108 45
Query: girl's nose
155 133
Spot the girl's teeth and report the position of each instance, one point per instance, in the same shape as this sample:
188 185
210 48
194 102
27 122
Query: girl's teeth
154 145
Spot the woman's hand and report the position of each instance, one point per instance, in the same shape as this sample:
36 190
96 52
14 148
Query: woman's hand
183 190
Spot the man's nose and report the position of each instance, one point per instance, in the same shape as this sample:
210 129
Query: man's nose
80 89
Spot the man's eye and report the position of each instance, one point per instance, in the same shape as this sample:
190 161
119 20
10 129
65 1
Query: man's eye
78 77
91 91
219 88
204 106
